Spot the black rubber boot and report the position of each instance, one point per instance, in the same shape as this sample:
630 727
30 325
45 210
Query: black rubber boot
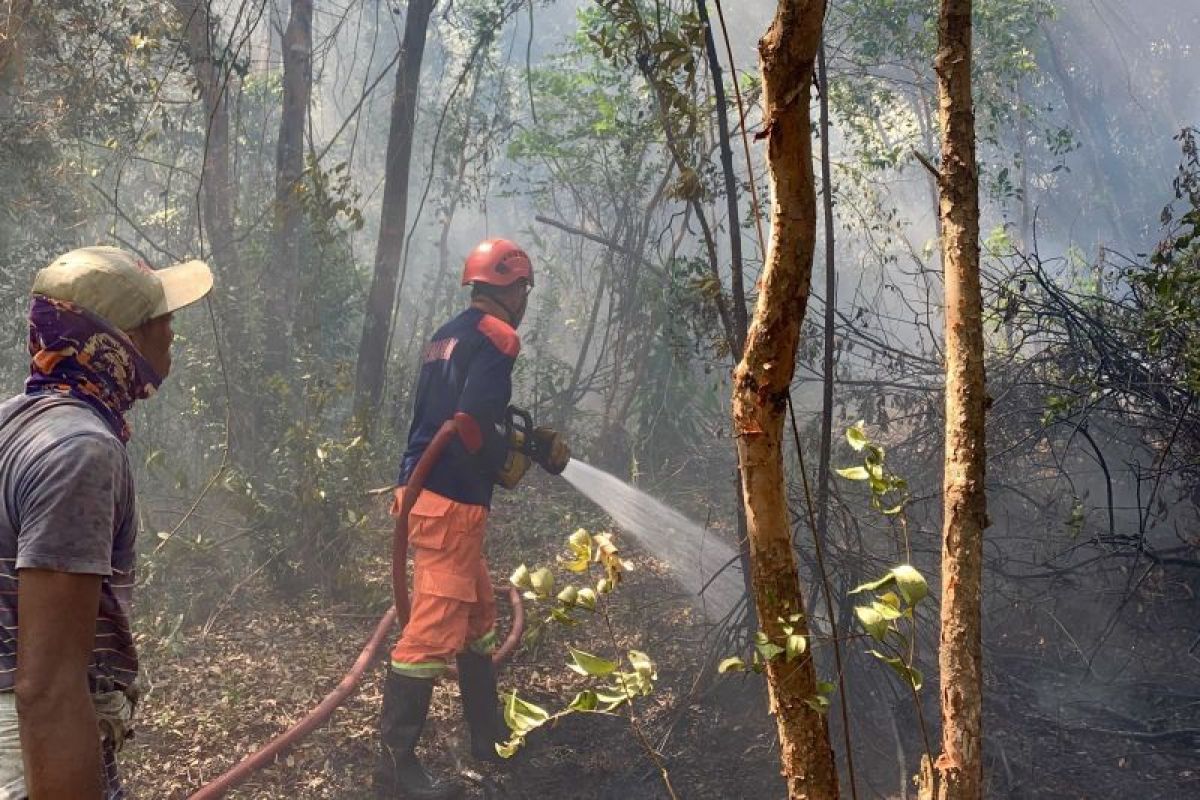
399 776
477 684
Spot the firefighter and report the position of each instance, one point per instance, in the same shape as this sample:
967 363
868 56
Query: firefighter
466 377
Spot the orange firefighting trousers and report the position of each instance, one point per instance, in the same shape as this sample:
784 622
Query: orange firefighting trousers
453 606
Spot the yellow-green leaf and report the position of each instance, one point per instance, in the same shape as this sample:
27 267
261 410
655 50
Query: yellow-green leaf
520 577
910 583
872 621
542 581
856 436
587 664
731 664
854 473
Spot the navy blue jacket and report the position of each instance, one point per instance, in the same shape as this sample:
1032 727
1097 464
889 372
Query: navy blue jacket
466 373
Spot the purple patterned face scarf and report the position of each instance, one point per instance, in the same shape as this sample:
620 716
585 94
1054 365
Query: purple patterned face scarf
77 353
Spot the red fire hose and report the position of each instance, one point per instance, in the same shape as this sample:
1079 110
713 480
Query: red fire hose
267 754
408 498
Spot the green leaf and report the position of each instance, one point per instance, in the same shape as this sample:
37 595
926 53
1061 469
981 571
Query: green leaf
872 621
910 583
874 585
885 610
586 597
568 596
611 697
578 564
585 701
796 645
581 538
580 543
731 664
520 577
634 683
818 703
522 717
542 581
910 675
854 473
825 687
509 748
561 616
768 650
642 664
856 435
588 664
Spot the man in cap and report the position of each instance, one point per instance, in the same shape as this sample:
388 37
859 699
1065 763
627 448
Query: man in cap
466 376
99 340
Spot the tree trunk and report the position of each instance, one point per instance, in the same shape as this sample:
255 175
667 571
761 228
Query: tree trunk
217 187
381 299
285 268
737 286
218 190
13 16
737 282
827 380
827 362
958 771
762 381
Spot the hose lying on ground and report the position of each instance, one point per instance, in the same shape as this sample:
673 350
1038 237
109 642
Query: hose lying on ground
266 755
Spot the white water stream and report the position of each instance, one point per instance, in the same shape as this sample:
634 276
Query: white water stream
693 554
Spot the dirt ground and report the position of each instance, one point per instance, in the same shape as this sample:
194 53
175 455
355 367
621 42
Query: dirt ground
230 679
263 663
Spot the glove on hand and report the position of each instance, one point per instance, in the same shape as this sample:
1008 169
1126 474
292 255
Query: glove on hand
516 463
551 450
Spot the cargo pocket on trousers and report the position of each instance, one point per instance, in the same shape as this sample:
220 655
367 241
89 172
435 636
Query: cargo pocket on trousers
429 521
445 584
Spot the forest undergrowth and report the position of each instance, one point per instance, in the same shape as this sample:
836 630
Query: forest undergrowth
265 661
227 680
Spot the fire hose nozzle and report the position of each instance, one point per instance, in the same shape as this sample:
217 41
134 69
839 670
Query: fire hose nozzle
546 447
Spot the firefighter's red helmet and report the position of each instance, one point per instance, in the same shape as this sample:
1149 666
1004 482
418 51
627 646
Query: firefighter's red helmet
497 262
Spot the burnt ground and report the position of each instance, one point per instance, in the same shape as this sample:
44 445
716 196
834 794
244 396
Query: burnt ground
245 667
230 680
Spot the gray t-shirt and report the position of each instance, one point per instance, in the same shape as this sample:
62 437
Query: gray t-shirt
68 498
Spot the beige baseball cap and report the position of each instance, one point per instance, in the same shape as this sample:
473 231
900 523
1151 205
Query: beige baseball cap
120 287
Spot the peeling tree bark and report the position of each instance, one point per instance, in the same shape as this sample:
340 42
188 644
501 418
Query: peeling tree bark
762 380
958 771
381 299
